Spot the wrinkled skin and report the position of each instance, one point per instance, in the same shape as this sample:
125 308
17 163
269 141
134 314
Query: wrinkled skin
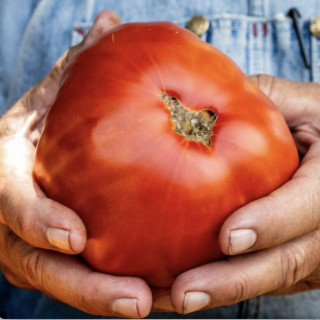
153 202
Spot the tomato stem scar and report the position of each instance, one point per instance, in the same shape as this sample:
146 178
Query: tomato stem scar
193 125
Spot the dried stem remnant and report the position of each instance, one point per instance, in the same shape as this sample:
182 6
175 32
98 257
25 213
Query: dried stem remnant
195 126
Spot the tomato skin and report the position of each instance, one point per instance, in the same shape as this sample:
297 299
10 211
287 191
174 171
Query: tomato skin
153 202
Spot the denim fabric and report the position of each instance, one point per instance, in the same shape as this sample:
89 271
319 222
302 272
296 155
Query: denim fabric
256 34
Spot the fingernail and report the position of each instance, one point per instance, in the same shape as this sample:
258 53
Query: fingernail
126 307
163 303
59 238
194 301
241 240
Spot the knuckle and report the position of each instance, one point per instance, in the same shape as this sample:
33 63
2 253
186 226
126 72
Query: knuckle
91 300
266 83
260 78
57 70
293 265
24 222
83 298
240 289
65 60
84 302
68 56
33 266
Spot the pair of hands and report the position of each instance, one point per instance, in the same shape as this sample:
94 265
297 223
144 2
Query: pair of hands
279 233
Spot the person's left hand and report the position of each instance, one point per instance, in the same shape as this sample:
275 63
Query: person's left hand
278 234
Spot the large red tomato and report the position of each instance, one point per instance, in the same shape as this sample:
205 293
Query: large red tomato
154 139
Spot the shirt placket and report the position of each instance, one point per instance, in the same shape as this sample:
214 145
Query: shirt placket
259 47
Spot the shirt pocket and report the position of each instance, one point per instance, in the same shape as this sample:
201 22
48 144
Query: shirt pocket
260 44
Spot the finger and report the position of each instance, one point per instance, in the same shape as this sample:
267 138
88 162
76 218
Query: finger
296 100
294 207
69 280
311 282
104 22
246 276
36 219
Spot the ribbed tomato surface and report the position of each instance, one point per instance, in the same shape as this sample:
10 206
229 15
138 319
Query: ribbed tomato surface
152 200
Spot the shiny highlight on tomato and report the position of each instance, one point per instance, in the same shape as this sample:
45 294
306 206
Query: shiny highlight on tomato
154 139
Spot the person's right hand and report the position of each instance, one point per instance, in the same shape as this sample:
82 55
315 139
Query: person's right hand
38 236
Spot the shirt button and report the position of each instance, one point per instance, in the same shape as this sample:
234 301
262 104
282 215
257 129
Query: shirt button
315 27
198 25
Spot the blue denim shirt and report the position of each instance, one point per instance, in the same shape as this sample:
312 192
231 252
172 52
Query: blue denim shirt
256 34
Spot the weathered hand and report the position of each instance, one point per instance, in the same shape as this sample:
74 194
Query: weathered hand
279 234
37 233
